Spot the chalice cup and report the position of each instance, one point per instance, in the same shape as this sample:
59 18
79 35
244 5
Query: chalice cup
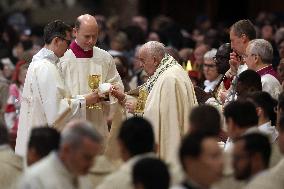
94 82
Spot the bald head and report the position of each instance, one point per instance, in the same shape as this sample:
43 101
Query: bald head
85 19
86 31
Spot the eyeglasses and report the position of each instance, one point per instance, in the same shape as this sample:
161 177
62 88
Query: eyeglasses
245 56
209 66
68 41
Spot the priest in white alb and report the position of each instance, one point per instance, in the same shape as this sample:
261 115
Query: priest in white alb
84 59
45 99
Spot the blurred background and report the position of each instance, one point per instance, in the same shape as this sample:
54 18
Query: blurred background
189 28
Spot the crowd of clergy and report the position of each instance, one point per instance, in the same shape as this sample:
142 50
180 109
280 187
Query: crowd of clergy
171 108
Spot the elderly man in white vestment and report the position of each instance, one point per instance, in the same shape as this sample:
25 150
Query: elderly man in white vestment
45 99
170 98
68 167
84 59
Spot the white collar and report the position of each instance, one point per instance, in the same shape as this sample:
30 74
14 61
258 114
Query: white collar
210 85
45 53
270 130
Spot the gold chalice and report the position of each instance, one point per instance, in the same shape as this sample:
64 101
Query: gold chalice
94 82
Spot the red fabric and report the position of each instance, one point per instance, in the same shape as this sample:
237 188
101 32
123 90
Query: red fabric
193 74
79 52
227 82
268 70
16 73
10 108
14 91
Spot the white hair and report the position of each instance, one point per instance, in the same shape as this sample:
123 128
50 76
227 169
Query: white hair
263 49
155 48
209 55
76 130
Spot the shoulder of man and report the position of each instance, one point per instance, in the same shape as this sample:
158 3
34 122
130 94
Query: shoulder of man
264 180
117 179
10 158
101 52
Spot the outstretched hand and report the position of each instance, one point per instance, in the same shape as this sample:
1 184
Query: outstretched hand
114 91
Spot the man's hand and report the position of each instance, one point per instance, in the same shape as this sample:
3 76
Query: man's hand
93 98
235 61
130 107
223 95
114 91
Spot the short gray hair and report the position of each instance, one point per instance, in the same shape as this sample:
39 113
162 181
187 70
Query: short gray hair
76 130
263 49
155 48
245 27
209 55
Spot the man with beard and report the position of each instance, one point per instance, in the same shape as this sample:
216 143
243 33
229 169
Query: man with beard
251 156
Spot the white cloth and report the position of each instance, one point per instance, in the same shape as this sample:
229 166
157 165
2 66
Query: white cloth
50 173
167 107
45 100
76 71
273 178
178 187
122 178
241 68
271 85
229 143
271 131
11 167
210 85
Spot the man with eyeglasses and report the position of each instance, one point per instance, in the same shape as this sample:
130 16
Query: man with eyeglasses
45 98
210 71
258 57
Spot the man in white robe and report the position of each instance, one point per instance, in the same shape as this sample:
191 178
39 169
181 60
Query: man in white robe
45 99
136 141
84 59
68 167
170 98
274 177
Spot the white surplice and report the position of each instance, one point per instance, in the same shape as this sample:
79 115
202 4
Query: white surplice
51 173
45 100
76 71
271 85
168 106
122 177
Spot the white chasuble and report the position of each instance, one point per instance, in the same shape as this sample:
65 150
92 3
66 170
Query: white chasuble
170 100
